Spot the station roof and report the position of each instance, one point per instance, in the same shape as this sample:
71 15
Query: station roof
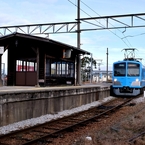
41 41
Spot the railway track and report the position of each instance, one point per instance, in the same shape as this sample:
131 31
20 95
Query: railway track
131 140
45 133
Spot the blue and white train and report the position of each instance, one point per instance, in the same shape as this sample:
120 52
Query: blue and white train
128 78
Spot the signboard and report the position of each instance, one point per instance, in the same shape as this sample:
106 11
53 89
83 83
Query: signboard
1 49
67 53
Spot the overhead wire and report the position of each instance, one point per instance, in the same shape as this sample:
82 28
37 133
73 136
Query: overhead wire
108 22
122 32
99 22
133 35
125 37
142 60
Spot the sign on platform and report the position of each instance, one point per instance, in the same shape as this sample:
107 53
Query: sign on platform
1 49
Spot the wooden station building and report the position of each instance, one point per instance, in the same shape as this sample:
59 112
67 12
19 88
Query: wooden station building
34 60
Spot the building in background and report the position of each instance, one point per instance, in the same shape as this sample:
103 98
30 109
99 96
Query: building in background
101 76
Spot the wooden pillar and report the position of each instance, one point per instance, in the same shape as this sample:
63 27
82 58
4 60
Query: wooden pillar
41 68
11 66
37 52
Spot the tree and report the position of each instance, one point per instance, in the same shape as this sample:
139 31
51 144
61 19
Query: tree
87 63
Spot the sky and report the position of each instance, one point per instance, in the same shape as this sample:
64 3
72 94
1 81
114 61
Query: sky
22 12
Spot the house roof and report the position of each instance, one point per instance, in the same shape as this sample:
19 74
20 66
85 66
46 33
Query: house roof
40 40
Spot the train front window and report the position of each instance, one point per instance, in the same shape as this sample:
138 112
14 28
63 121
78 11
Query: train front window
119 69
133 69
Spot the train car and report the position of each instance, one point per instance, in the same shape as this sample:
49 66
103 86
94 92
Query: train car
128 78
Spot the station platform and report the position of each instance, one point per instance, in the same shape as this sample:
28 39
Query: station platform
6 89
18 103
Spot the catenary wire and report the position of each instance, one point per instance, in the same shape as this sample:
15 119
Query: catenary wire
108 22
125 37
101 24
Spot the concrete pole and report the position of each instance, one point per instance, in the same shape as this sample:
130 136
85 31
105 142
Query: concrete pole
3 74
107 64
78 45
1 84
91 70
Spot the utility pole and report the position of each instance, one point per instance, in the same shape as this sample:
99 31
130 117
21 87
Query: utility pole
107 65
91 70
78 45
1 52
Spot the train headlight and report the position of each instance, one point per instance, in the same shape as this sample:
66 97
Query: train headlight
115 80
137 80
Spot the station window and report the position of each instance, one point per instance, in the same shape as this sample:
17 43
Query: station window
64 68
59 68
48 73
71 69
53 68
25 66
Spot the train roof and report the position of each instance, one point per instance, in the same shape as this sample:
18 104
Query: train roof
133 61
128 60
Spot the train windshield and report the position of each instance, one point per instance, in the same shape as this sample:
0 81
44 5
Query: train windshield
120 69
133 69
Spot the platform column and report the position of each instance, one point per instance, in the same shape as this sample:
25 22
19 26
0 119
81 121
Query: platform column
37 67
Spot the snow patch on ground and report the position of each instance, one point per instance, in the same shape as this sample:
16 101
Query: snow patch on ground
138 100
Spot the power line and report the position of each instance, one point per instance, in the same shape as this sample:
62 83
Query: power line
99 22
122 32
108 22
133 35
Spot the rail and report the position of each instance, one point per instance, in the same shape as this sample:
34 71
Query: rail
46 132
